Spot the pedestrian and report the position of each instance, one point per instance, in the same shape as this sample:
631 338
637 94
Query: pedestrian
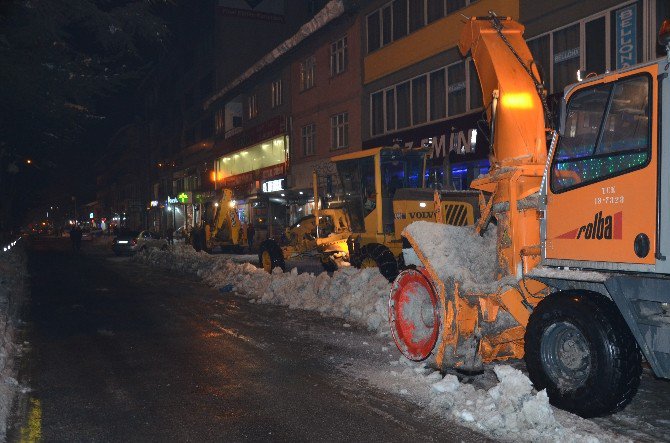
75 238
170 236
195 239
250 235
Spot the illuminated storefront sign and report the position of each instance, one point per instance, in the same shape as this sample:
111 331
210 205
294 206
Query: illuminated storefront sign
183 197
154 203
626 36
462 138
172 200
273 185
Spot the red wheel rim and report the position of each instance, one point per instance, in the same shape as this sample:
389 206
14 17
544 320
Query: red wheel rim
413 314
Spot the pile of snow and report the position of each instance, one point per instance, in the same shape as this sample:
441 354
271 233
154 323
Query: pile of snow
13 290
504 408
457 253
356 295
510 407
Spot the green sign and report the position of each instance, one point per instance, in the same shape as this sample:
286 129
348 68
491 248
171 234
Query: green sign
183 197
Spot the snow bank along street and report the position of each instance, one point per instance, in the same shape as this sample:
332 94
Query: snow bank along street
13 290
504 406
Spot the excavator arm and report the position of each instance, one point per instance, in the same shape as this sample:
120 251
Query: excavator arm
226 221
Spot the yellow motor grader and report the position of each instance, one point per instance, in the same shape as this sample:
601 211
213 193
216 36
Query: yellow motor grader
383 191
581 280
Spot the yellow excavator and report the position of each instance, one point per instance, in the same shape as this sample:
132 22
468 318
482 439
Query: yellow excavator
580 281
222 227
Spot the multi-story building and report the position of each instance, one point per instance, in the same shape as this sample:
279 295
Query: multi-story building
419 90
326 74
308 86
250 104
218 40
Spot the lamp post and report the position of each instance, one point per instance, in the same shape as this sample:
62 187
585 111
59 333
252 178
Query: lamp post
74 200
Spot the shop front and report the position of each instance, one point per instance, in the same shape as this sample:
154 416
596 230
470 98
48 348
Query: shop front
459 146
256 158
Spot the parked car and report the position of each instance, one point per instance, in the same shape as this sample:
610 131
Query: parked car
130 242
86 234
182 233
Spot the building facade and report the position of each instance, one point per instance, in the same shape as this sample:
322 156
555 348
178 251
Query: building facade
419 90
260 111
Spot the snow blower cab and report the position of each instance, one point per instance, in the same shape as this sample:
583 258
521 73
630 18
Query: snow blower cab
573 277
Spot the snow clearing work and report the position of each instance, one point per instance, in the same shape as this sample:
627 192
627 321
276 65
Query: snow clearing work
500 401
569 271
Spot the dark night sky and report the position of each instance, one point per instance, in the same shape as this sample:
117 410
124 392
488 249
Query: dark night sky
69 75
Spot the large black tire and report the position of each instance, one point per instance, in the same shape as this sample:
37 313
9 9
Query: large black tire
382 257
579 347
270 256
329 264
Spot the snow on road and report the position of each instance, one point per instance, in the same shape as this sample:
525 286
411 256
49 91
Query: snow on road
504 406
13 291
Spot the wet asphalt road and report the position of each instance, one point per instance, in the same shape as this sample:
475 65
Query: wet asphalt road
119 352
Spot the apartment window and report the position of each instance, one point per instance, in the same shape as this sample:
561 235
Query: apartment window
594 31
276 93
390 109
438 95
387 25
339 55
374 31
455 5
219 120
252 106
443 93
419 100
613 39
307 70
417 15
434 10
339 125
402 105
566 56
377 113
399 19
456 89
541 52
308 133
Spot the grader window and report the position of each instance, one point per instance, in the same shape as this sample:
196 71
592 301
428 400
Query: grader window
358 183
606 133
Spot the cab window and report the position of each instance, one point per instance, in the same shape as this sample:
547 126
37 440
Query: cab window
606 133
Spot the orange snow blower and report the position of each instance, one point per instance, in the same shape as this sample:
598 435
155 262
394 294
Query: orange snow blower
569 269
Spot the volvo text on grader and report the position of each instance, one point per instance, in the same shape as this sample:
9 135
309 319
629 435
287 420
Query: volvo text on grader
583 234
383 191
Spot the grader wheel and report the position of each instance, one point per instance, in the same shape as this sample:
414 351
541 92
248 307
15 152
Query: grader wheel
375 255
270 256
